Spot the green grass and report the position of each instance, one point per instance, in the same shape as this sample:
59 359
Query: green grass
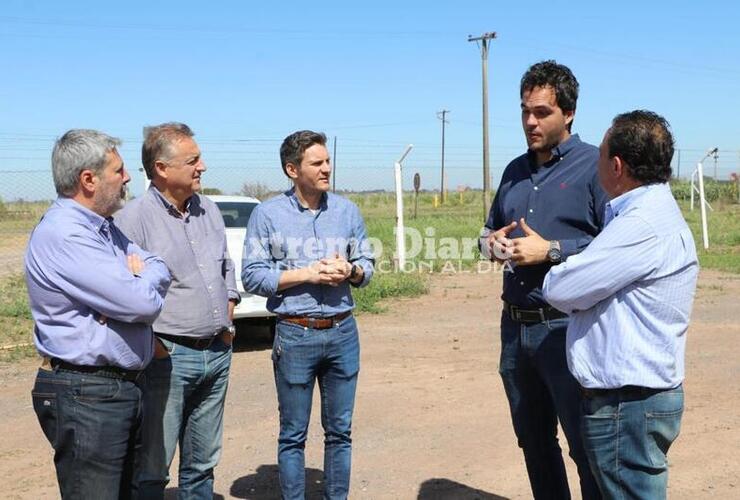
724 235
16 325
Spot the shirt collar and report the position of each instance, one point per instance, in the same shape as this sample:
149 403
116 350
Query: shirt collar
171 209
617 205
100 223
559 151
297 203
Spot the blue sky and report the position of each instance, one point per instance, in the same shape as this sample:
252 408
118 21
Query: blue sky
243 75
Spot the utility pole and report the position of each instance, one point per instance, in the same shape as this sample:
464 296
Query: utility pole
442 195
482 42
716 157
334 167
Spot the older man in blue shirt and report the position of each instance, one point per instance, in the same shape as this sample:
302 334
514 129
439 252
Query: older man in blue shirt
629 295
186 382
548 207
93 295
303 250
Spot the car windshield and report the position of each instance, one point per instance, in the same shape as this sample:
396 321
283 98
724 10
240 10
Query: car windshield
236 213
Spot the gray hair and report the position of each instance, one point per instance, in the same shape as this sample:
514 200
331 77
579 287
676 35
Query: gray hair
158 141
78 150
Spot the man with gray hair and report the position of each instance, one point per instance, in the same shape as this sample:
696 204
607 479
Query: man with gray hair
93 295
186 383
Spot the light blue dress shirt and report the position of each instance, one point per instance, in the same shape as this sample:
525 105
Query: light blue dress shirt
283 235
629 294
76 272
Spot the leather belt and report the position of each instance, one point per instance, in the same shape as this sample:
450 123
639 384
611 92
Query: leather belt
200 344
628 391
101 371
316 323
533 315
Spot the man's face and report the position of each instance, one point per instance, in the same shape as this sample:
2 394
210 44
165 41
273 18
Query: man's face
545 124
110 191
606 167
315 170
184 167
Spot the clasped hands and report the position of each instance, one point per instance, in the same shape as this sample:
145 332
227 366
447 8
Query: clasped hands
329 271
526 250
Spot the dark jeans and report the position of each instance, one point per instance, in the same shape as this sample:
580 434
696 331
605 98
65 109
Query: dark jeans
541 391
627 437
92 423
300 357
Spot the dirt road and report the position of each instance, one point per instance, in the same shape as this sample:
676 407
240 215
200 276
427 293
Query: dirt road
431 419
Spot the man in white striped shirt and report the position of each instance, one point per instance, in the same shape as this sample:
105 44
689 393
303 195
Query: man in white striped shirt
629 296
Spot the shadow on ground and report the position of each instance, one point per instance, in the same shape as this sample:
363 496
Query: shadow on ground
445 489
264 484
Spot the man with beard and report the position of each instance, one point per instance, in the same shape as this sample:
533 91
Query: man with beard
548 207
93 295
186 382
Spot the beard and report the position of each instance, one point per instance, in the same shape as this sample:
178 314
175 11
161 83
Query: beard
109 202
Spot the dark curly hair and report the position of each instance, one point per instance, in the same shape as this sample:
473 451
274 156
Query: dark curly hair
293 147
643 140
557 76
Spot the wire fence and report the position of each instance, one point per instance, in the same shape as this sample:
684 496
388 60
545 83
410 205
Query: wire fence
252 167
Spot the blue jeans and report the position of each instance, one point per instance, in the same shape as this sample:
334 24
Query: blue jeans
184 398
627 437
541 391
92 423
300 356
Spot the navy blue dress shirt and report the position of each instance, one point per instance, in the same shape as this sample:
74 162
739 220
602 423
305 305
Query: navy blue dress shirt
561 200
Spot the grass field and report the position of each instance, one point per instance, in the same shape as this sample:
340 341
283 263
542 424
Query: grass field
461 217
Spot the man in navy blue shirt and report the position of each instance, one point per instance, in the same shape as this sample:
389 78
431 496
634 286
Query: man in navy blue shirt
304 250
549 206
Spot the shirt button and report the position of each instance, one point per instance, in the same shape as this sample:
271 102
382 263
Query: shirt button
210 287
536 188
215 311
531 211
521 283
200 265
192 242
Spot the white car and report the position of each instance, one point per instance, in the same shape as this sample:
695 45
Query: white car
236 211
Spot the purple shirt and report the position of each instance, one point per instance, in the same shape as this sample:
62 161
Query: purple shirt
194 247
76 272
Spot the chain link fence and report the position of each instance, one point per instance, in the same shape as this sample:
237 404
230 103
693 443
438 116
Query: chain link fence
252 167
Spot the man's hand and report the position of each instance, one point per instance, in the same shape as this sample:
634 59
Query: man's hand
499 244
336 269
231 305
135 264
529 249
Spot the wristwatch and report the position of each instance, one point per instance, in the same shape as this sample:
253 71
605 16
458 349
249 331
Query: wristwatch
354 272
232 330
554 254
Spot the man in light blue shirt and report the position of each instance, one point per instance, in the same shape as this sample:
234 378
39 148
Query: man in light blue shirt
93 295
629 295
304 250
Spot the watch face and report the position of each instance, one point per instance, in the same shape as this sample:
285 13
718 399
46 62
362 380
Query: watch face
553 255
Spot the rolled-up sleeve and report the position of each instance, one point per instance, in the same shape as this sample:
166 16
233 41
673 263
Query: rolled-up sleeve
361 252
260 274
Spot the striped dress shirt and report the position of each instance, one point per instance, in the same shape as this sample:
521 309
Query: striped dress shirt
629 294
